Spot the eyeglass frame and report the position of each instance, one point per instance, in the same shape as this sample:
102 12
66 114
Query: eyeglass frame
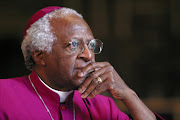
83 46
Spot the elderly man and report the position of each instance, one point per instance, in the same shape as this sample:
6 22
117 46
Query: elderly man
65 81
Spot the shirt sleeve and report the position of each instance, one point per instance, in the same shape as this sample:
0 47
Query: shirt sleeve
119 115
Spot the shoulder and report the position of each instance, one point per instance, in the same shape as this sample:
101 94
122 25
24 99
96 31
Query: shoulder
12 82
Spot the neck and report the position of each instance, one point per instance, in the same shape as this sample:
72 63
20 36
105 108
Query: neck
40 71
62 94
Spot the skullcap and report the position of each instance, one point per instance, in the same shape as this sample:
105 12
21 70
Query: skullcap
39 14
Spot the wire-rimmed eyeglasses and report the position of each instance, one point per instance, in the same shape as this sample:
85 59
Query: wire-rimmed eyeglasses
78 46
94 45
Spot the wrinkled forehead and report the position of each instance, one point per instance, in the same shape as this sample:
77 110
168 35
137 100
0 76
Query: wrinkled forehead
70 26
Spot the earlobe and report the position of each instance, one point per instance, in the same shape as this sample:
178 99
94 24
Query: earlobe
38 57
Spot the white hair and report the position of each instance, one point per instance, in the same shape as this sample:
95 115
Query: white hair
39 35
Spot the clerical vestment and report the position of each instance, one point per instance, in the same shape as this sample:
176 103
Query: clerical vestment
19 101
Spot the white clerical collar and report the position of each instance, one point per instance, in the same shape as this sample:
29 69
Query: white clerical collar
63 95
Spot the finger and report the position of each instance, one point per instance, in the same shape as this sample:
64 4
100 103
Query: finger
92 67
92 76
103 86
90 88
99 89
95 88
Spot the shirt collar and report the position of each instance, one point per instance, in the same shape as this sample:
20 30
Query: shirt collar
63 95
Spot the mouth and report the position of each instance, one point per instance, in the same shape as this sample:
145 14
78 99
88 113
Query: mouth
79 70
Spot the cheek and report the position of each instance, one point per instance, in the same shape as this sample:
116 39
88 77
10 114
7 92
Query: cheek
67 63
63 63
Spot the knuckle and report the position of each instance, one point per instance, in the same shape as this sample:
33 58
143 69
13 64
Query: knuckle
110 77
110 68
94 81
93 64
93 94
110 87
88 91
112 80
110 74
93 75
98 88
84 85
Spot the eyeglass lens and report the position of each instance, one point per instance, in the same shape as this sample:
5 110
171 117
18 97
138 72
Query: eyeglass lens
94 45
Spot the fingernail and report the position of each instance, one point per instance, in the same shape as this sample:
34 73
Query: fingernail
81 74
80 90
83 96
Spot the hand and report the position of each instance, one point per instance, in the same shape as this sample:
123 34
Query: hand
111 81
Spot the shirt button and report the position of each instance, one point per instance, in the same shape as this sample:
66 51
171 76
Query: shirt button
63 107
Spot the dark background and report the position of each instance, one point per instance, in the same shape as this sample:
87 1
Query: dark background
141 39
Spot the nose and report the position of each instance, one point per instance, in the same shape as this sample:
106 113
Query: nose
87 55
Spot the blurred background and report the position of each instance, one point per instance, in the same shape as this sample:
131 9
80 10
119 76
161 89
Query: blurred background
141 39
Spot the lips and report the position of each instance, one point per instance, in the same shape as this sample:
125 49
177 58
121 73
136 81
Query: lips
79 67
79 64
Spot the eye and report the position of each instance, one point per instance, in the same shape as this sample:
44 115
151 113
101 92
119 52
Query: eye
92 44
74 44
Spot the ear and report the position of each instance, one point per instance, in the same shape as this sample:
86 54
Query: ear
39 58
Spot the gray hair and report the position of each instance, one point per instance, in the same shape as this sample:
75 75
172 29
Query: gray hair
39 35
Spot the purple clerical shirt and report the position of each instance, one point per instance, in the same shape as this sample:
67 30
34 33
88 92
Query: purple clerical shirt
19 101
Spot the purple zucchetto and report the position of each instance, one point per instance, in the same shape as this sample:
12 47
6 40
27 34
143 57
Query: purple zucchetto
39 14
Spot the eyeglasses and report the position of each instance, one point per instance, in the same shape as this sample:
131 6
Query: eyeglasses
94 45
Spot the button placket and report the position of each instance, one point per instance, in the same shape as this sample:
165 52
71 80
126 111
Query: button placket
63 107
